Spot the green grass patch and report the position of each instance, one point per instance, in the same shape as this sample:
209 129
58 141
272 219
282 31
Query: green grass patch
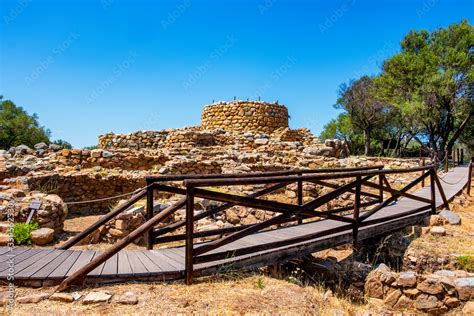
466 262
22 232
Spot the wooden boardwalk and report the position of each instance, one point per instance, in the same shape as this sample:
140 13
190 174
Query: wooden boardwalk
41 266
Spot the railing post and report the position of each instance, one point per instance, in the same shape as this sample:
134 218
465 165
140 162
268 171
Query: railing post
380 190
462 156
300 197
446 161
355 227
458 156
469 180
433 189
423 163
149 215
189 235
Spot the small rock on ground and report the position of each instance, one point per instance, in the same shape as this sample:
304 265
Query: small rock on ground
62 297
127 298
42 236
96 297
437 231
34 298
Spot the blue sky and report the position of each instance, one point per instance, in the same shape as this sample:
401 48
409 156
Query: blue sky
87 67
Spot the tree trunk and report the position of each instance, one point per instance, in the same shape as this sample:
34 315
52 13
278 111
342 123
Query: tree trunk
366 143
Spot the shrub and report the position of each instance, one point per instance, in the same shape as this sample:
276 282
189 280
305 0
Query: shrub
259 284
466 262
22 232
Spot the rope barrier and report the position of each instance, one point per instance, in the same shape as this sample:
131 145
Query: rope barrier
90 201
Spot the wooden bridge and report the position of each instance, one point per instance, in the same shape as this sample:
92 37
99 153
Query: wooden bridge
296 229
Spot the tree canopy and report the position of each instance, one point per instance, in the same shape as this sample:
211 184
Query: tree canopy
18 127
427 89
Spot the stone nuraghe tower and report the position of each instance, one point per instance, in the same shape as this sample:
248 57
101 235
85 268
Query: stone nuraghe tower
245 116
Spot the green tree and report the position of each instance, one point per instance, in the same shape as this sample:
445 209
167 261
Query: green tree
429 82
367 113
17 127
341 128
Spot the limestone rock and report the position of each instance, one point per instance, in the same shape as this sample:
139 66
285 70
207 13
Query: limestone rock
42 236
437 231
96 297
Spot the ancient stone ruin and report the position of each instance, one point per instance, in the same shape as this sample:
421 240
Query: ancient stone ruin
254 116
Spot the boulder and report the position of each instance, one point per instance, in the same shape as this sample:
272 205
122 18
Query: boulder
54 147
451 217
40 146
42 236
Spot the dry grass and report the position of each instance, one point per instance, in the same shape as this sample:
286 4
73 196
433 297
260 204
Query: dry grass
253 294
459 240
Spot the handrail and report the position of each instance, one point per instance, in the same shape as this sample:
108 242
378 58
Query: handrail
165 178
104 219
325 176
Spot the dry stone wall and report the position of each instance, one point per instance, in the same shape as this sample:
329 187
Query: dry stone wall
245 116
436 293
85 186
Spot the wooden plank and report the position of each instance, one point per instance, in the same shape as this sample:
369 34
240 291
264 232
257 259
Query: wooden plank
4 250
110 267
150 265
24 255
97 270
38 265
13 253
123 264
84 258
44 272
138 267
62 269
175 265
160 260
19 266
